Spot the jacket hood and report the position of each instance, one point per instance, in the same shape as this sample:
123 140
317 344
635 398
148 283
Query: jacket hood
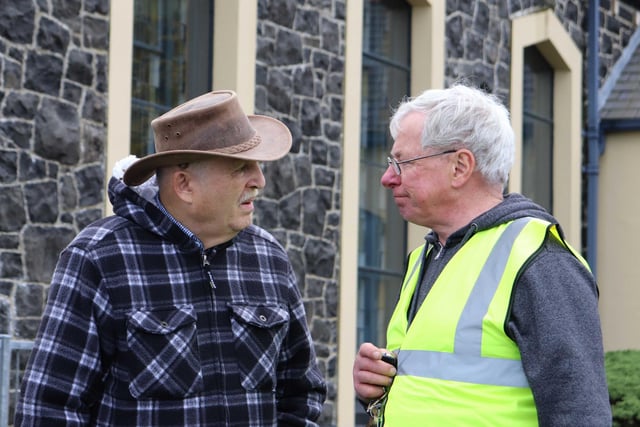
140 205
512 207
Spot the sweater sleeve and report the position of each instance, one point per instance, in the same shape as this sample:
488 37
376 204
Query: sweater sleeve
555 322
64 369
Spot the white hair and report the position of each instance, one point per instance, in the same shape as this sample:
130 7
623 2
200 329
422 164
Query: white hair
464 117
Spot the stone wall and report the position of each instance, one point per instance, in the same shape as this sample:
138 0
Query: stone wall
53 83
478 36
299 77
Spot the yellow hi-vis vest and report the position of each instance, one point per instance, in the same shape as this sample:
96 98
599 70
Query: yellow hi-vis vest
456 365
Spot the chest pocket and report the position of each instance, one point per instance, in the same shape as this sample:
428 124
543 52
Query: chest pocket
164 351
259 331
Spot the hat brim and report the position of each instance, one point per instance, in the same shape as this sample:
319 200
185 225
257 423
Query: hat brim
275 143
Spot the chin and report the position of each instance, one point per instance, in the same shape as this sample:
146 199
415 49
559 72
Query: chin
243 223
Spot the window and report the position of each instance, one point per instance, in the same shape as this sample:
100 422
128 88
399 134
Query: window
382 234
172 61
537 128
424 23
562 92
382 231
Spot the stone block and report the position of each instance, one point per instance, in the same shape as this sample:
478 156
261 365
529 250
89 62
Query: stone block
20 104
319 257
10 265
42 202
17 21
57 135
8 166
12 209
29 300
90 184
43 73
42 246
80 67
52 36
290 211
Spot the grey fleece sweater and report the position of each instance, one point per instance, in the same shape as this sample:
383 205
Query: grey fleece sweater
553 319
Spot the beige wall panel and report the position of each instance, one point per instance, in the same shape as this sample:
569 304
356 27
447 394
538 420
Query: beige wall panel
618 236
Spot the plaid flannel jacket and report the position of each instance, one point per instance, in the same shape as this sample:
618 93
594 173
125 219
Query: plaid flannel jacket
143 327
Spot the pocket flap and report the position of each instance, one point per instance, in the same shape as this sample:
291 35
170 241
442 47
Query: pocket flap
263 316
162 321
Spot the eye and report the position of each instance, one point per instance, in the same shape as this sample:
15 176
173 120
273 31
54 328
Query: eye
241 167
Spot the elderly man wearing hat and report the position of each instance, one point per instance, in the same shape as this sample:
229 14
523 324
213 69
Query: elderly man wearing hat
176 310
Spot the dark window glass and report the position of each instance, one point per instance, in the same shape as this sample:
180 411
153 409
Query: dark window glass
537 129
172 61
382 245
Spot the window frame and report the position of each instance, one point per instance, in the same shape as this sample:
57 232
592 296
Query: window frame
427 64
544 30
534 184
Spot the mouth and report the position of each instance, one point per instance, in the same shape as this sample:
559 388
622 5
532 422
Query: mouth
248 198
400 200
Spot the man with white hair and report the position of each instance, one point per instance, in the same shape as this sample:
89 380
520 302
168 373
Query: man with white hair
497 321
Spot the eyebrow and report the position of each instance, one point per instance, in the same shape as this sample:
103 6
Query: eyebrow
397 155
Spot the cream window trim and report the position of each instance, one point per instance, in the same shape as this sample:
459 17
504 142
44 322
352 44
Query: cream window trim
427 45
119 92
544 30
234 46
427 59
348 306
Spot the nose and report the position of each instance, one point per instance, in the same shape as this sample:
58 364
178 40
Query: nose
257 179
389 178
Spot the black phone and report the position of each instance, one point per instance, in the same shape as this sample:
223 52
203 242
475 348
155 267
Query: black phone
391 359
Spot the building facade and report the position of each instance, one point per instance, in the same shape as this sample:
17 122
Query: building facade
80 79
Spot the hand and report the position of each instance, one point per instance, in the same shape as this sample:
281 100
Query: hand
370 373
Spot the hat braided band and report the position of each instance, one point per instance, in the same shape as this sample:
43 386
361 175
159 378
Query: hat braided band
239 148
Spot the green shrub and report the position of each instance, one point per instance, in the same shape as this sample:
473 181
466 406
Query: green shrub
623 377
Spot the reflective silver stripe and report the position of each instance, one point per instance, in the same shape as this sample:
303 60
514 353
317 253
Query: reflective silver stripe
456 367
468 340
469 331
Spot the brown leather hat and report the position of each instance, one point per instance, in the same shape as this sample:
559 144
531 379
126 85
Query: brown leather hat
212 124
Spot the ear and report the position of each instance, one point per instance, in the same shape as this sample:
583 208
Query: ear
463 166
182 184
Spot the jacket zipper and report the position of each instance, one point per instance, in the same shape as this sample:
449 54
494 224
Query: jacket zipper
205 265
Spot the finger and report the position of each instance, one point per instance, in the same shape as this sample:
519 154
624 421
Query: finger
368 391
372 378
370 351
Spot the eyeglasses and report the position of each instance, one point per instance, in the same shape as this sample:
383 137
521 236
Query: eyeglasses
396 163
